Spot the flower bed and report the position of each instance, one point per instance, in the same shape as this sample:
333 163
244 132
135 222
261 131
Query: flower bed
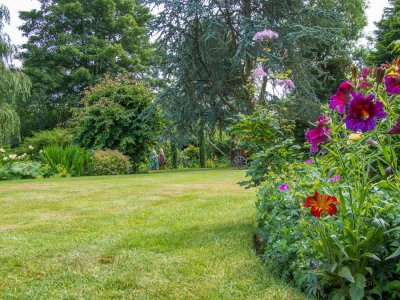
331 224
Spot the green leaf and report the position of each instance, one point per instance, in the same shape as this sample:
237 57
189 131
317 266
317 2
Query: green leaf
395 254
357 288
371 255
346 273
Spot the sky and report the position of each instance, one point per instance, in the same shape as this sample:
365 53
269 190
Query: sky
374 14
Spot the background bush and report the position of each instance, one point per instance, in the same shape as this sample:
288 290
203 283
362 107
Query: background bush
117 114
110 162
41 139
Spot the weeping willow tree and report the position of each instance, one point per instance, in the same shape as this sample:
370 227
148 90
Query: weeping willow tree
14 87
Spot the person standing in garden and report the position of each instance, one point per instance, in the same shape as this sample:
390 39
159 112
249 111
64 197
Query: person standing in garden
162 159
154 160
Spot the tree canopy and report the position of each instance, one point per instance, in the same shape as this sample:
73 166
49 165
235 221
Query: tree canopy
388 32
72 44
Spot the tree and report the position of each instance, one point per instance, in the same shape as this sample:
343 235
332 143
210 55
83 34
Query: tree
388 32
72 44
210 54
14 85
117 114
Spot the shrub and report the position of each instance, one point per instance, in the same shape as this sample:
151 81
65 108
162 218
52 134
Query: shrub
110 162
331 223
118 114
39 140
71 159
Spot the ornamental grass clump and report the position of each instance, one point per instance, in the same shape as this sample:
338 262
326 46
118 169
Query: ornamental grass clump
342 207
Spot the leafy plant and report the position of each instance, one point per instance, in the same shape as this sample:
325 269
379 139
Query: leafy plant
20 170
72 160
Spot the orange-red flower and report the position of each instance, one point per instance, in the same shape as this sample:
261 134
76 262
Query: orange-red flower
320 203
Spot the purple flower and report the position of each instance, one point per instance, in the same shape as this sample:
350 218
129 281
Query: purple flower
342 97
392 82
258 72
286 84
313 265
266 34
309 161
396 127
284 187
335 179
319 135
363 113
388 171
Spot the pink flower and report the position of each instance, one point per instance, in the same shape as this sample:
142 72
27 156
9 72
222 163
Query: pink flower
342 97
284 187
258 72
335 179
309 161
266 34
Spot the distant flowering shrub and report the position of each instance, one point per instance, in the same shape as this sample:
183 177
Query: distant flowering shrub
258 73
110 162
266 34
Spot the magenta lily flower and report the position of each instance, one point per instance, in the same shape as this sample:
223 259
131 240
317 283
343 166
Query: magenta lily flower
392 82
363 113
342 97
319 135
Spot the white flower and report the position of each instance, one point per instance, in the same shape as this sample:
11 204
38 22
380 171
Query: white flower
12 156
5 158
31 147
41 151
2 150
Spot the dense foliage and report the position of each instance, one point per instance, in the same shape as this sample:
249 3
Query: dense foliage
117 114
331 223
41 139
72 44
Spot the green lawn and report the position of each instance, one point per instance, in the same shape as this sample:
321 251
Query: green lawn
169 235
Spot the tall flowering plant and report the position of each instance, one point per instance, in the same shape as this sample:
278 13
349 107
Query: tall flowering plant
352 212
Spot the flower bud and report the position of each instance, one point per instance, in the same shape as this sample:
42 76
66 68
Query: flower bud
354 72
372 143
388 171
380 74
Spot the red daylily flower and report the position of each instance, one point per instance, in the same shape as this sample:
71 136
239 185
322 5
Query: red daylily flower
320 203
